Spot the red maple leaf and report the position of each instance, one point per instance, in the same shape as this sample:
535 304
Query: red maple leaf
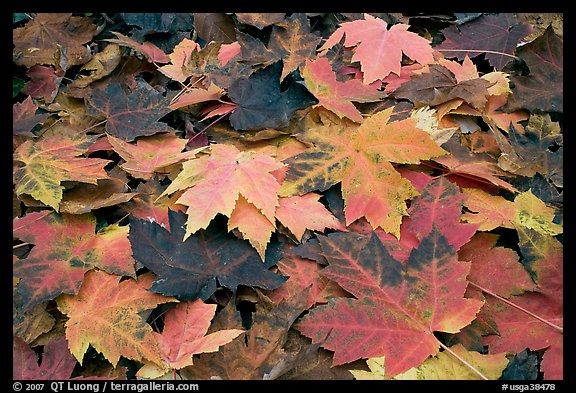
379 49
397 307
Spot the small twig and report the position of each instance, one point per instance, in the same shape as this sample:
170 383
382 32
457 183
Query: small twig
480 51
117 221
211 124
560 329
20 245
93 126
471 367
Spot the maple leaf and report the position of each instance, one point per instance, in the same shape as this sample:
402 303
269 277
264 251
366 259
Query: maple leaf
196 267
439 85
301 212
52 159
231 173
261 102
397 308
293 42
66 247
24 118
196 95
148 49
491 35
148 205
104 314
519 330
258 351
445 366
260 20
205 64
360 158
44 83
297 213
129 116
176 70
30 324
184 335
542 89
535 150
215 27
53 38
150 154
252 224
465 166
302 274
440 204
57 362
85 198
495 268
337 96
254 52
379 49
492 211
101 65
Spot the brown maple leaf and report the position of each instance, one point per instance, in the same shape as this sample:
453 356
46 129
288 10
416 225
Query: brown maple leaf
53 39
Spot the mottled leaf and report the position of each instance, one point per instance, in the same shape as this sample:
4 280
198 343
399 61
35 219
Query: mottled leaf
360 157
397 307
535 150
293 42
52 159
104 314
440 204
492 211
66 247
445 366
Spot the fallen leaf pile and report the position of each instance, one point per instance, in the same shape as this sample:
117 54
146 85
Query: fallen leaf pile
287 196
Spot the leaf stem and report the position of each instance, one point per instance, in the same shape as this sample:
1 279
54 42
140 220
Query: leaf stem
93 126
211 124
19 245
480 51
471 367
560 329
